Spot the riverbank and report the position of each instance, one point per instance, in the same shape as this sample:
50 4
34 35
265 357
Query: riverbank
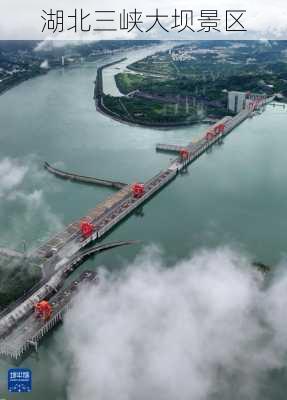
117 108
12 82
214 205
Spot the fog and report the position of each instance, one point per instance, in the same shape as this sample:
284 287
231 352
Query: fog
12 174
206 328
23 202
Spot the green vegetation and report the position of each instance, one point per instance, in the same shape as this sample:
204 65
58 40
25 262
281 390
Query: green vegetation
149 112
157 64
13 80
214 66
182 86
127 82
190 82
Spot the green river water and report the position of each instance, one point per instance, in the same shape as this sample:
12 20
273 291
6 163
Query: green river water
235 195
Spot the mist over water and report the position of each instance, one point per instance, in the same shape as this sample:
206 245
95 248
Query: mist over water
23 202
206 328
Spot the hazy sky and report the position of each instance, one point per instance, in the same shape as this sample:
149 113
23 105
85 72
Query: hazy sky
263 19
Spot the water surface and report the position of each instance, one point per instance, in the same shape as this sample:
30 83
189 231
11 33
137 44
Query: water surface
236 195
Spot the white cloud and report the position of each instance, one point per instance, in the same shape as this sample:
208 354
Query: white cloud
11 175
205 327
25 213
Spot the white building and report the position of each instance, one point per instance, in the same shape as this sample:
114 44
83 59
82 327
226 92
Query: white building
236 101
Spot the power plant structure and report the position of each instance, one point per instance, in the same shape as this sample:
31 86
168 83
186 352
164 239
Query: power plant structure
23 324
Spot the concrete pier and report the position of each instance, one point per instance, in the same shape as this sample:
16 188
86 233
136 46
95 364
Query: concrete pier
168 148
83 179
52 284
30 331
64 250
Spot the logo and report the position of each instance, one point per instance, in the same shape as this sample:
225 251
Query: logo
19 380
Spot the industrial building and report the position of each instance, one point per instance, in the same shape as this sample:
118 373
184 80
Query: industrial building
236 101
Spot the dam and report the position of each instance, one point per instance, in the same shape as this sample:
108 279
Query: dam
56 254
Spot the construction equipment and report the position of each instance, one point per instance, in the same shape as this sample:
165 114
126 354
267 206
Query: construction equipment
217 130
184 154
43 310
87 228
137 190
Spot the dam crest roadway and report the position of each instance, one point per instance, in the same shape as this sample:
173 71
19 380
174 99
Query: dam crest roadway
59 254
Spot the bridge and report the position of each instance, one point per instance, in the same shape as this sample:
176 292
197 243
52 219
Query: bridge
20 327
51 282
57 254
27 334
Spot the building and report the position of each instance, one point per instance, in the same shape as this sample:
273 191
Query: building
236 101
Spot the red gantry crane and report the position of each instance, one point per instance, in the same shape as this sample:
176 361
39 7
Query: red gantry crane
219 129
43 310
184 154
87 228
137 190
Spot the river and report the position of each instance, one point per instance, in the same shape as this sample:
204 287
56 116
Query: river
234 195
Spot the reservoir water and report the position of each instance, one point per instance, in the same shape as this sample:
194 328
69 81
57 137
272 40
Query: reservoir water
235 195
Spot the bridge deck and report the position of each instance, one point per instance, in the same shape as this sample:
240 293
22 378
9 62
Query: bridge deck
110 212
31 330
71 231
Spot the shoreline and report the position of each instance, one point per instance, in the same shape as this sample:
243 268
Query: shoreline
150 126
100 106
17 83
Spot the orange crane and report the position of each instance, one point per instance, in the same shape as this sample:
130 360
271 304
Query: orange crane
137 190
87 228
43 310
184 154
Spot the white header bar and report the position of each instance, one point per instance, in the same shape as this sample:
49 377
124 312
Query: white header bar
127 19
